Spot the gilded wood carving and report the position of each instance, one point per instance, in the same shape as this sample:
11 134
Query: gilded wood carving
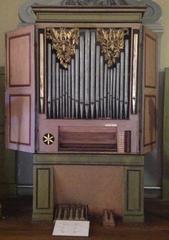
64 41
112 42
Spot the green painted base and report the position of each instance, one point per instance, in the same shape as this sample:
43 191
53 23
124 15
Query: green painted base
132 179
165 193
42 217
134 219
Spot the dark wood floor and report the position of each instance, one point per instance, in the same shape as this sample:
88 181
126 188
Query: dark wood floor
17 224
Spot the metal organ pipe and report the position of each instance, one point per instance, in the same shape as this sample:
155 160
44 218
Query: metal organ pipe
93 72
77 82
97 80
66 93
135 71
82 74
69 84
87 71
121 85
57 90
111 94
49 80
73 87
101 85
61 93
117 89
53 85
41 73
105 89
114 93
126 79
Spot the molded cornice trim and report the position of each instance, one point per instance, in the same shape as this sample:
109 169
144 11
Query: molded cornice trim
27 16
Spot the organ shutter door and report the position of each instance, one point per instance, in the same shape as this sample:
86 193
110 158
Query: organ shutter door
150 90
20 90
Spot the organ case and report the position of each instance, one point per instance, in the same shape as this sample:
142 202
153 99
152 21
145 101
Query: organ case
82 85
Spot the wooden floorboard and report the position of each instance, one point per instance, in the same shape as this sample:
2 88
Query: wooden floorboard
17 225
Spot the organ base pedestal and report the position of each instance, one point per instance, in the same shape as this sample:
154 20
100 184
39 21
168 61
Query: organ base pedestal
81 178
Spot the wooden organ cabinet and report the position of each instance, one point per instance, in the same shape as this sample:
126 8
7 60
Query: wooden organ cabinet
81 96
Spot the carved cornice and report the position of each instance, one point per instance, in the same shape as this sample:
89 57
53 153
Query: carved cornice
27 16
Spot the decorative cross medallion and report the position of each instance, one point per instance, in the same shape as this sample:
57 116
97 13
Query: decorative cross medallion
48 139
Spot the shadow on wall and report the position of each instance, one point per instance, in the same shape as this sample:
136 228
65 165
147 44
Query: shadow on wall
153 161
24 173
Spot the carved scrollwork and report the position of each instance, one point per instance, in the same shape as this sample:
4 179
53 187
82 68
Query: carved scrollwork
111 42
64 41
93 2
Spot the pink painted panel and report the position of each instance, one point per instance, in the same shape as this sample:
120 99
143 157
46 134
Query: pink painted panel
20 119
99 187
19 60
52 126
20 89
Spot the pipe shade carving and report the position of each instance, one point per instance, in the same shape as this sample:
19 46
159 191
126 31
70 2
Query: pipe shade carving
112 42
64 42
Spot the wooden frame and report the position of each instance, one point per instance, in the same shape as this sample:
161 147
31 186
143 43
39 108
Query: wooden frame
133 167
88 14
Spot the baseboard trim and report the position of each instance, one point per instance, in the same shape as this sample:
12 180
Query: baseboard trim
154 192
24 190
42 217
133 218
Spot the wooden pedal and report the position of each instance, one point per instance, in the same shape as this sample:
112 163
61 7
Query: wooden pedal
71 212
108 218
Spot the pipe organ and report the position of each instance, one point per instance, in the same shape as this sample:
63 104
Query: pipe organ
82 80
88 81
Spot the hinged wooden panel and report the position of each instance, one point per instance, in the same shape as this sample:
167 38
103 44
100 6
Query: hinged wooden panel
150 90
20 90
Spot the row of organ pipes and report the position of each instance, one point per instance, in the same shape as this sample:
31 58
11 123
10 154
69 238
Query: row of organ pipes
88 88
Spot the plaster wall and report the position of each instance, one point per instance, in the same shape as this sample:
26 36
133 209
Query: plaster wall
9 20
164 20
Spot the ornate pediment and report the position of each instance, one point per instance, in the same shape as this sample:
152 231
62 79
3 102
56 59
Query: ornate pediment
26 14
94 2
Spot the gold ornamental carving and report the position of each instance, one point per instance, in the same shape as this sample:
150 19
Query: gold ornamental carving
112 42
64 41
